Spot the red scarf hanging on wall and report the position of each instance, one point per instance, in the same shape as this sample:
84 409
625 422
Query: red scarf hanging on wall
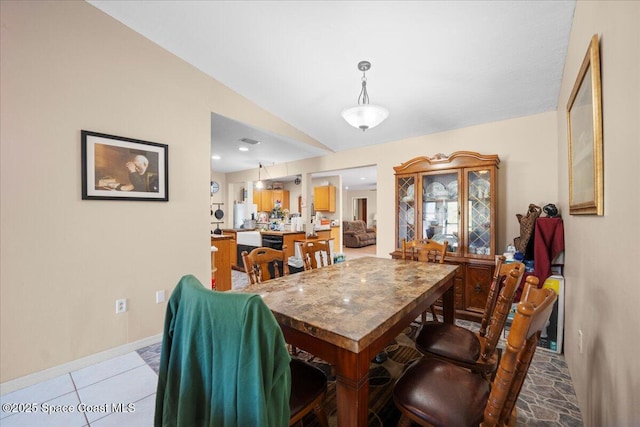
548 243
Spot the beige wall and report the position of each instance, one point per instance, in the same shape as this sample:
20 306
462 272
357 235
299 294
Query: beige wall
372 203
528 173
66 66
65 261
602 253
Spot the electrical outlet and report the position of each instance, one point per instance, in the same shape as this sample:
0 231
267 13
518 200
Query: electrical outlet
121 305
159 296
580 341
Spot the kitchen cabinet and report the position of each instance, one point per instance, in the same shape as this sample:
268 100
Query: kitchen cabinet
233 249
335 234
266 199
283 196
262 199
221 262
453 198
288 240
324 198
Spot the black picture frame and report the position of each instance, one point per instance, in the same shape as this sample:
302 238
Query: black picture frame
120 168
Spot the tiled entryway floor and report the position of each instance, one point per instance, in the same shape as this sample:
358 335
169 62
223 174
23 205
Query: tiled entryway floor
117 392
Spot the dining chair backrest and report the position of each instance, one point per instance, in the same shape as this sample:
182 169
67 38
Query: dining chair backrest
476 350
531 316
262 264
436 392
502 308
315 253
492 296
424 250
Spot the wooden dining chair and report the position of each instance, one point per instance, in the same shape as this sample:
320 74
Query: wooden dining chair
477 351
434 392
315 253
224 362
264 263
425 250
308 392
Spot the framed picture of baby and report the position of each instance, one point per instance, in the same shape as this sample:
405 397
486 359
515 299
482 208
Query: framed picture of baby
120 168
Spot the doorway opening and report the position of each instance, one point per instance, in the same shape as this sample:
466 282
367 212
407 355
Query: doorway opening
360 208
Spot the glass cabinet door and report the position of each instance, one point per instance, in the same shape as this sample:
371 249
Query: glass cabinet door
479 212
440 209
406 209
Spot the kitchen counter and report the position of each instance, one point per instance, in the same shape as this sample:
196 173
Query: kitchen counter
251 238
280 233
216 237
271 232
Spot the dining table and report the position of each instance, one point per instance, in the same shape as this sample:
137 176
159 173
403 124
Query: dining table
347 313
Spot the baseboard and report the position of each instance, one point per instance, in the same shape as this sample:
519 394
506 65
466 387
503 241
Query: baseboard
74 365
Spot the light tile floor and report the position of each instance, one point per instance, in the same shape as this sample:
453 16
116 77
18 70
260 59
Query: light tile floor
117 392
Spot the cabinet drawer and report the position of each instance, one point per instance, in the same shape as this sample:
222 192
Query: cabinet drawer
477 284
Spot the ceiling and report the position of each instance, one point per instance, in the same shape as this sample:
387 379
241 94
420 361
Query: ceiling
436 65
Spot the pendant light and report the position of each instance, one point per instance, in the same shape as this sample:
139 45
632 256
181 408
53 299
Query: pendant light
365 116
259 184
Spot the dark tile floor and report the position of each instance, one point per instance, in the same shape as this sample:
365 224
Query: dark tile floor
547 397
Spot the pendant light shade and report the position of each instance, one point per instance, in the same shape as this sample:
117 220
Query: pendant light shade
365 116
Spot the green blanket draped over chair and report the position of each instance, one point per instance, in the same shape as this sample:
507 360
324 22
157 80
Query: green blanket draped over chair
224 361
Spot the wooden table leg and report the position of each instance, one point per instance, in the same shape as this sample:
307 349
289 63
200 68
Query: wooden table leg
448 304
352 389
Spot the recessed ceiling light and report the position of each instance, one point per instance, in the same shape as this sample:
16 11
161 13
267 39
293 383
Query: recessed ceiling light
243 148
215 157
362 178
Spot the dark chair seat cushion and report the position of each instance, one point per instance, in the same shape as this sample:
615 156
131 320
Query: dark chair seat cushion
449 341
307 383
425 390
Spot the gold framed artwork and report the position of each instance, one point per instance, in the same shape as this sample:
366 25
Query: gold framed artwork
584 129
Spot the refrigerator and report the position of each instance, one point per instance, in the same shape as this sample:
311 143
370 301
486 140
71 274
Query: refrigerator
242 211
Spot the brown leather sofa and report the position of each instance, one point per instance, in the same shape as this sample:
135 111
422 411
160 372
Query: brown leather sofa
355 234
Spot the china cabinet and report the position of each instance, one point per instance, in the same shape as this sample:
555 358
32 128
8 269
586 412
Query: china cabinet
453 198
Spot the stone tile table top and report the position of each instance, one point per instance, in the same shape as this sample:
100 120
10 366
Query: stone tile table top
347 312
351 304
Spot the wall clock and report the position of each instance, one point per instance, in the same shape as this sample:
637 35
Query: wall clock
214 187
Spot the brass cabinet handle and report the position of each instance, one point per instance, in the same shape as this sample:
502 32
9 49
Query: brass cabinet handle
478 288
